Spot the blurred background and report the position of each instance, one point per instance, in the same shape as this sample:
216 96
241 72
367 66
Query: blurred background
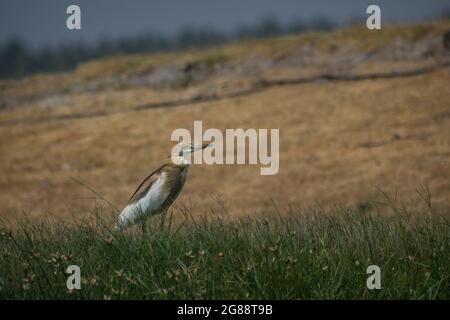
99 104
33 36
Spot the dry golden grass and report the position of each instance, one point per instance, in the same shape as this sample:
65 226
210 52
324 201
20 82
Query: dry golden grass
338 140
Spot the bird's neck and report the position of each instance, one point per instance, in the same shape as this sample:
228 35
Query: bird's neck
178 161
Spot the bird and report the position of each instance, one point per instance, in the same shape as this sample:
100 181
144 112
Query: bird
159 189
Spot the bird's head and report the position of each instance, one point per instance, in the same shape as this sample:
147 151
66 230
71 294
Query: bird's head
182 151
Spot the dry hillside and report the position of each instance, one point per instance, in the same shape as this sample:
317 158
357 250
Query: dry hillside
108 123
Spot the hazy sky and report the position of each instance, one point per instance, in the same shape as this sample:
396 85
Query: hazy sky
42 22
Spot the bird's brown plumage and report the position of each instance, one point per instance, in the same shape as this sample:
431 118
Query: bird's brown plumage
175 179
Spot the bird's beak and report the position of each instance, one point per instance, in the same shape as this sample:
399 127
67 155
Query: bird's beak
196 147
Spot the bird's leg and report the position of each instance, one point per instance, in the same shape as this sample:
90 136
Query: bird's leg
163 220
144 228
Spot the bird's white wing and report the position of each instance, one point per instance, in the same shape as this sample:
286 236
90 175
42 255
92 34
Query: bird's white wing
145 202
155 196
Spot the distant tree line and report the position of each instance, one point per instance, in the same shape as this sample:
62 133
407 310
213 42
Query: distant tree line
17 59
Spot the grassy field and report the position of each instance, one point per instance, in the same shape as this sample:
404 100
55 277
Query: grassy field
107 124
315 254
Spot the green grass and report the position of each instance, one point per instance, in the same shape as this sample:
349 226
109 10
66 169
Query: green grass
297 255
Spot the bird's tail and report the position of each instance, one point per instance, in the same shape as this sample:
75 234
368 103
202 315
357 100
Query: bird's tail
120 223
120 226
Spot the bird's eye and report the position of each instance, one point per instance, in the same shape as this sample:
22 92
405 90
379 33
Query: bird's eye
180 154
